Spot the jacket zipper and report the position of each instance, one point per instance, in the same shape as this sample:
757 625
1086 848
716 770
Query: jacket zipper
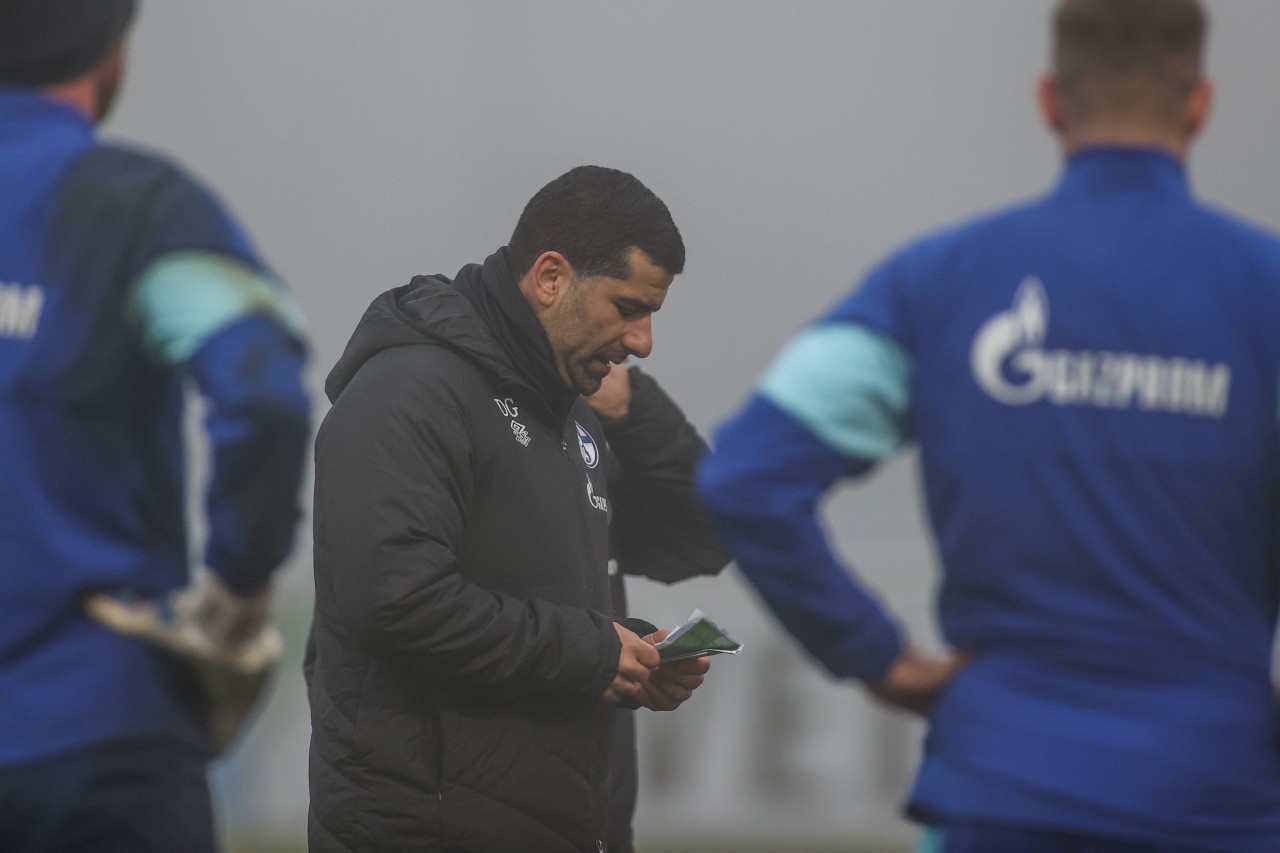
585 513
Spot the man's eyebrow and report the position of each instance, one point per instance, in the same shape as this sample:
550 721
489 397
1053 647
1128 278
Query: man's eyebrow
632 303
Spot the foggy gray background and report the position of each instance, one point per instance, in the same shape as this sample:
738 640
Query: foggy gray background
794 142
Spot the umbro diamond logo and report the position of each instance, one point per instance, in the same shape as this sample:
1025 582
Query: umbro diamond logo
521 433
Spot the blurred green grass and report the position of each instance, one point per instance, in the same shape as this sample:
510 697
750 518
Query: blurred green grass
643 845
757 846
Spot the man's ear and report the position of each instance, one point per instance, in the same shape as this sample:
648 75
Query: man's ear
1049 100
547 280
1199 104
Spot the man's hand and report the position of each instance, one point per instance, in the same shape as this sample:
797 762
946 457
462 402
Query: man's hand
671 683
613 400
915 681
636 663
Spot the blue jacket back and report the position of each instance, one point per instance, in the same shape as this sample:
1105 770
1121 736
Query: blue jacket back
1094 394
90 425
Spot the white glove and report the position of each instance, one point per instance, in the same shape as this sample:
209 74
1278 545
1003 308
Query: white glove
224 637
229 621
205 621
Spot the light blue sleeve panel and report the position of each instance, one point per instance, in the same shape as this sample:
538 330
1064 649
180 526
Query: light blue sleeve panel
848 384
932 842
185 298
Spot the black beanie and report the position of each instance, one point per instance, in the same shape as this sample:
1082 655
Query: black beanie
52 41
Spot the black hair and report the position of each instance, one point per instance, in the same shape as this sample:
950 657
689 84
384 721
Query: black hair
51 41
595 216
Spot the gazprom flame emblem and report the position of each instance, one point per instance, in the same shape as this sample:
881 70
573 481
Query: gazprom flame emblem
587 444
1005 338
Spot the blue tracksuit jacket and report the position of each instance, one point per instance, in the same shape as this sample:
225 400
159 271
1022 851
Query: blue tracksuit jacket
121 279
1092 382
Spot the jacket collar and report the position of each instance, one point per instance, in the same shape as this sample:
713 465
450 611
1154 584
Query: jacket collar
1119 169
492 290
481 314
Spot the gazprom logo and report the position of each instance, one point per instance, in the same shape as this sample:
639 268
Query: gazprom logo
587 445
1005 357
1010 364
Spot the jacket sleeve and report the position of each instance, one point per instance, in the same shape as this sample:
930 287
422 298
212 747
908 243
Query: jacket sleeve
204 305
762 487
659 528
835 402
258 421
393 480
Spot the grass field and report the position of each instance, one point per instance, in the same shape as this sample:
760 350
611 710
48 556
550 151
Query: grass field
651 845
742 846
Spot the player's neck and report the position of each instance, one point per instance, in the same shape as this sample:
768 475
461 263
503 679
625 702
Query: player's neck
1120 135
80 94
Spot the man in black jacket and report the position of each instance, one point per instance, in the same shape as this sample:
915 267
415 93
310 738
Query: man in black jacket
465 668
654 452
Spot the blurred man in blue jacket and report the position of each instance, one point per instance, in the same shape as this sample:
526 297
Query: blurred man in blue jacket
121 279
1093 381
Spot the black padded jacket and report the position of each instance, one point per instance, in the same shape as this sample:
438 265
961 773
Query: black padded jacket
462 635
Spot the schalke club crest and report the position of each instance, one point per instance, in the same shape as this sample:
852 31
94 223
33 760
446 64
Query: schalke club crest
587 444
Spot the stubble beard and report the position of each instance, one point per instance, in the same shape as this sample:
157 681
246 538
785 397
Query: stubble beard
572 333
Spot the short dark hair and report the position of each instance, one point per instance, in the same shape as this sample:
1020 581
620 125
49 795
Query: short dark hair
1128 57
43 42
595 216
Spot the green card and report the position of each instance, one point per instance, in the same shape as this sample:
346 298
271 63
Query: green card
698 636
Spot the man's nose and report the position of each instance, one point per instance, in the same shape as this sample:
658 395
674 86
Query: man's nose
638 339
